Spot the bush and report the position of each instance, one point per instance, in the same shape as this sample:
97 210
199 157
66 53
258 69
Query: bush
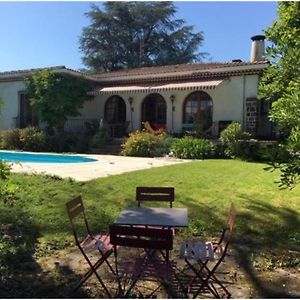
33 139
145 144
61 142
11 139
192 148
233 139
99 139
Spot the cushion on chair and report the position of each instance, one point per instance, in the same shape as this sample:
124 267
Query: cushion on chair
197 250
101 242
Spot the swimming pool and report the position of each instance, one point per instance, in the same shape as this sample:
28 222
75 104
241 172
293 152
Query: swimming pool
11 156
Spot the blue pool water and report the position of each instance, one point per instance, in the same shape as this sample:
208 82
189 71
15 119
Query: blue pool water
42 158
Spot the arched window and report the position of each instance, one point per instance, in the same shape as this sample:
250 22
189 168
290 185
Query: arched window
154 111
197 110
115 110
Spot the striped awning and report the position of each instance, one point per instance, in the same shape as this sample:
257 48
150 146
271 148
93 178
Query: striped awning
184 86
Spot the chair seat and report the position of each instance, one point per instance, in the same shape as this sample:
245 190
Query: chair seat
100 242
197 250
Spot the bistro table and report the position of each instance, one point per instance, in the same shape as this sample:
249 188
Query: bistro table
154 216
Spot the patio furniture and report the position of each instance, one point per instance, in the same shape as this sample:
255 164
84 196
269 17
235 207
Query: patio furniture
99 244
154 216
149 239
155 194
152 219
204 259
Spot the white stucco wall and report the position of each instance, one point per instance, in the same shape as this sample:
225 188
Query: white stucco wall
228 103
9 92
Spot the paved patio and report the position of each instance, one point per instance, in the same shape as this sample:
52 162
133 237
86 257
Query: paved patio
105 165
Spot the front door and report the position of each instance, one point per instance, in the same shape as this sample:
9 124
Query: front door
154 110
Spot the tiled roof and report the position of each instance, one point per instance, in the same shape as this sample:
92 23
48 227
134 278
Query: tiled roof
21 72
193 67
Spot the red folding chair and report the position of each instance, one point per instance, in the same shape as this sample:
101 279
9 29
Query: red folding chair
149 239
91 243
155 194
208 257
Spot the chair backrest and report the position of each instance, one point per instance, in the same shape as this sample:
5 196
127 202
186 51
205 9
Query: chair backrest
139 237
75 210
155 194
231 217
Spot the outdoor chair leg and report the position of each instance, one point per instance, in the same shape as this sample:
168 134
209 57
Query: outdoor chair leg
205 282
93 270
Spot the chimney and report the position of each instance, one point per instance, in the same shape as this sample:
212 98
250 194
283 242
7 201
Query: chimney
257 48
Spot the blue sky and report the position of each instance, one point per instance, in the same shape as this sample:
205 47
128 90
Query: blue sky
42 34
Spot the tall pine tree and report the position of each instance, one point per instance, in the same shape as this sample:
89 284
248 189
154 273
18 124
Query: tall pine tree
126 35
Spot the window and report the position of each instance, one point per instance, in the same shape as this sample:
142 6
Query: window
197 110
27 114
154 111
115 110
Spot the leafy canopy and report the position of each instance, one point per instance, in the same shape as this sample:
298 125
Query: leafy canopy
127 35
57 96
281 84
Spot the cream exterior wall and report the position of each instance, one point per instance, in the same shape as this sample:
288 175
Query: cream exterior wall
9 92
228 103
228 98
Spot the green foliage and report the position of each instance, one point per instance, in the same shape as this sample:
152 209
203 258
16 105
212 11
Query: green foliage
145 144
286 110
192 148
281 82
33 139
290 164
133 34
233 139
29 139
4 170
99 138
57 96
11 139
7 190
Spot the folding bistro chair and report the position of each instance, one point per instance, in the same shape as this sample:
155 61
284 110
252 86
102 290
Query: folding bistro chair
153 194
91 243
205 253
149 239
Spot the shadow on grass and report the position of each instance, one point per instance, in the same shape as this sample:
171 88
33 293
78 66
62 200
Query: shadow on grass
256 233
20 275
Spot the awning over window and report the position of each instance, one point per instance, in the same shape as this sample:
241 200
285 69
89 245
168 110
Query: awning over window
184 86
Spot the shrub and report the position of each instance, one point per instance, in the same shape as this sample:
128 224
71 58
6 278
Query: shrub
192 148
11 139
99 139
146 144
61 142
233 139
33 139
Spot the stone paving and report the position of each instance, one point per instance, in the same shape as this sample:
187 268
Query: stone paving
105 165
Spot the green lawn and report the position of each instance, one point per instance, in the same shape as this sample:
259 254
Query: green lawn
268 219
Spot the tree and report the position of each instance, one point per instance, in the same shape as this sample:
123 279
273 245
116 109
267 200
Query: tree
57 96
281 83
127 35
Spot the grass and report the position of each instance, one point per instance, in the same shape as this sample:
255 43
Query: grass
268 219
206 187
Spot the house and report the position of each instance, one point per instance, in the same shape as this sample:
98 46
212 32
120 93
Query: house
177 98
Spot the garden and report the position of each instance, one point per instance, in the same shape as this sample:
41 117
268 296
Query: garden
35 226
